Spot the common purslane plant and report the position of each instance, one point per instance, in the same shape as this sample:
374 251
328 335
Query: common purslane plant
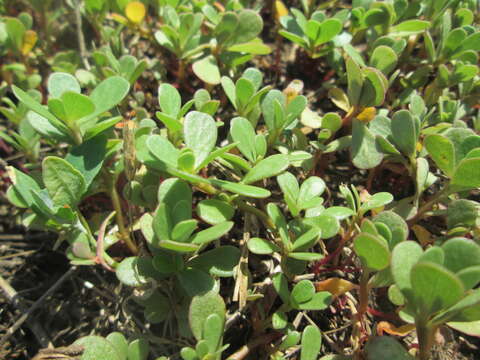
222 199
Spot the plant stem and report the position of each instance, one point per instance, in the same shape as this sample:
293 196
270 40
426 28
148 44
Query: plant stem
245 350
428 205
181 71
125 235
363 299
425 335
257 212
81 39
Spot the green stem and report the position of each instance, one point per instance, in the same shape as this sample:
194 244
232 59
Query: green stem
428 205
257 212
363 298
87 229
181 71
425 335
117 206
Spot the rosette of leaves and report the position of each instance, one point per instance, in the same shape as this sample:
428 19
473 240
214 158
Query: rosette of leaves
373 247
280 113
107 65
294 239
233 41
437 286
303 296
395 20
114 347
207 315
180 34
18 40
172 236
16 34
459 39
246 93
367 87
172 110
199 132
360 206
314 35
173 225
397 140
462 217
25 139
456 152
71 116
53 200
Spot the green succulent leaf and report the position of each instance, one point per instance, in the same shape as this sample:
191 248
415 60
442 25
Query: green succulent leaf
434 287
262 246
311 343
242 189
220 261
213 332
442 151
64 183
409 27
207 70
212 233
320 300
59 83
268 167
88 157
138 349
130 271
372 250
384 59
120 343
214 211
109 93
386 347
466 175
195 282
405 130
355 81
243 133
200 134
365 154
203 306
302 292
96 347
169 99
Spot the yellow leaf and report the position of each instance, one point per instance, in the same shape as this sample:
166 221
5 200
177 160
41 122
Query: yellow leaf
120 19
385 326
293 90
367 114
423 235
279 9
335 286
419 146
29 41
135 12
340 99
219 6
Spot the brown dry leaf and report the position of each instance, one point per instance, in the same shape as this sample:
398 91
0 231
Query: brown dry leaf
335 286
423 235
385 326
72 352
